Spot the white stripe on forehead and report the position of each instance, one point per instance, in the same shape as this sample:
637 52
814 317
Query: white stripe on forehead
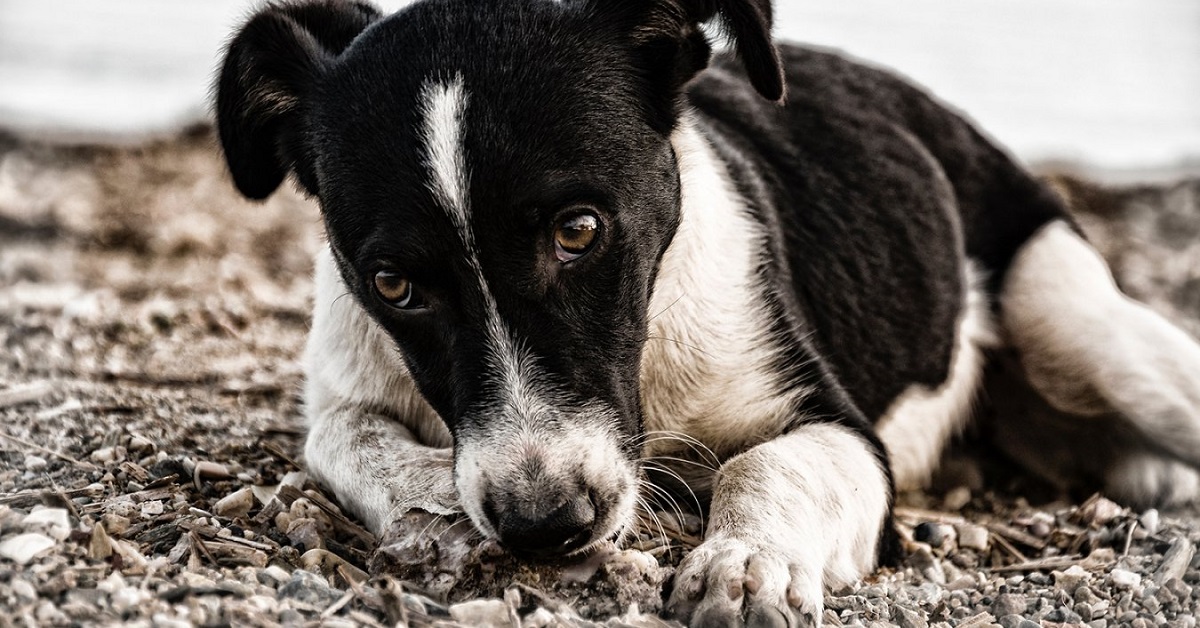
444 107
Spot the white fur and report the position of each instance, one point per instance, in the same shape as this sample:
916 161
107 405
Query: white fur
373 440
443 106
1090 350
790 516
707 367
919 423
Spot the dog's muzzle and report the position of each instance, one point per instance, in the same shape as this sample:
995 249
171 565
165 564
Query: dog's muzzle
550 523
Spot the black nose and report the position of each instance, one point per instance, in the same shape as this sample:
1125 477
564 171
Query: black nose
528 530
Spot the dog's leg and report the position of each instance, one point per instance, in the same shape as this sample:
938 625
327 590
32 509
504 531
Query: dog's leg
372 439
377 469
789 517
1090 350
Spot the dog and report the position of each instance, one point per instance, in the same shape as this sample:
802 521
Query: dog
575 259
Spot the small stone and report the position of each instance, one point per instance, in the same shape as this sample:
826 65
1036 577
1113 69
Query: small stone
104 455
100 547
24 547
1175 561
35 463
23 590
482 613
1009 604
55 521
1070 579
931 533
1010 621
905 618
957 498
115 524
309 588
236 504
140 444
1098 511
1149 521
152 508
1123 579
303 533
971 536
208 470
274 574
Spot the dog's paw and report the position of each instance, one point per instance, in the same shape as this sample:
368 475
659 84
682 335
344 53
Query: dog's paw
729 582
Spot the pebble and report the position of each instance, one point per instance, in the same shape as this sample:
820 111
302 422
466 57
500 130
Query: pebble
23 590
483 613
1149 521
236 504
55 521
929 532
309 588
303 532
152 508
1009 604
971 536
1098 511
1070 579
24 547
1123 579
1175 561
905 618
35 463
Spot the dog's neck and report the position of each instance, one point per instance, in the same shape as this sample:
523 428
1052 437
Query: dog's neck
706 360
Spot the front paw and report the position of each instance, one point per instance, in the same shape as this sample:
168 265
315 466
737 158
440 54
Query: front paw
729 582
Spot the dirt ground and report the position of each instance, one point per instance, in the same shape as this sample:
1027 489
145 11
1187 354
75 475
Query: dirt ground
150 326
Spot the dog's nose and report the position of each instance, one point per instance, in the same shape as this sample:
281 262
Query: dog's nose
526 529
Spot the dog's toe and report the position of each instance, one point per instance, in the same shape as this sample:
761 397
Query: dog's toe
726 582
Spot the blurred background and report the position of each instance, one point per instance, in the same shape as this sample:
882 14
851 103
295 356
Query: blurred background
1111 83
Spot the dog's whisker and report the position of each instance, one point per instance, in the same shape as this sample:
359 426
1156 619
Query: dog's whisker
690 441
680 343
668 307
652 466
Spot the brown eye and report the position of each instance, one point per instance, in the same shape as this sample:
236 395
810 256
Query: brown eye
575 235
396 290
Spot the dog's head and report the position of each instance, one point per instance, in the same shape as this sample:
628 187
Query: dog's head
498 186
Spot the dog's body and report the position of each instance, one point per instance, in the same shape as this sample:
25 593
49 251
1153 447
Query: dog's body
795 294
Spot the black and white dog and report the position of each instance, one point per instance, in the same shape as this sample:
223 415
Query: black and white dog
564 257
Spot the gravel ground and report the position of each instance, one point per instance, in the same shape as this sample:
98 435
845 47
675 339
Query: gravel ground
150 322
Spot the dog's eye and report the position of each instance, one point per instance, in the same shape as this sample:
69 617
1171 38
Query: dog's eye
397 291
575 235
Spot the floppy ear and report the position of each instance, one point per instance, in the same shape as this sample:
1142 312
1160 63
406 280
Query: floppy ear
673 26
269 69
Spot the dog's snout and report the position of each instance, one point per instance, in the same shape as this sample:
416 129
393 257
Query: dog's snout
531 528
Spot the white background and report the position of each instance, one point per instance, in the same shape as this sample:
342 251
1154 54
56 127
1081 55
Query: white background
1112 82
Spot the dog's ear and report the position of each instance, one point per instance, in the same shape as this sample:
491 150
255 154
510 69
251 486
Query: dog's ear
669 31
268 72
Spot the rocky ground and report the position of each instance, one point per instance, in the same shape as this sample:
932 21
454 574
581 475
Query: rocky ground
150 322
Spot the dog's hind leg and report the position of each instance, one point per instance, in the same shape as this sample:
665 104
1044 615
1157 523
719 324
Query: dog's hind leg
1089 350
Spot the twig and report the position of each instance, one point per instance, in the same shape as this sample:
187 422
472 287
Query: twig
1054 562
21 395
337 606
50 452
1010 548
